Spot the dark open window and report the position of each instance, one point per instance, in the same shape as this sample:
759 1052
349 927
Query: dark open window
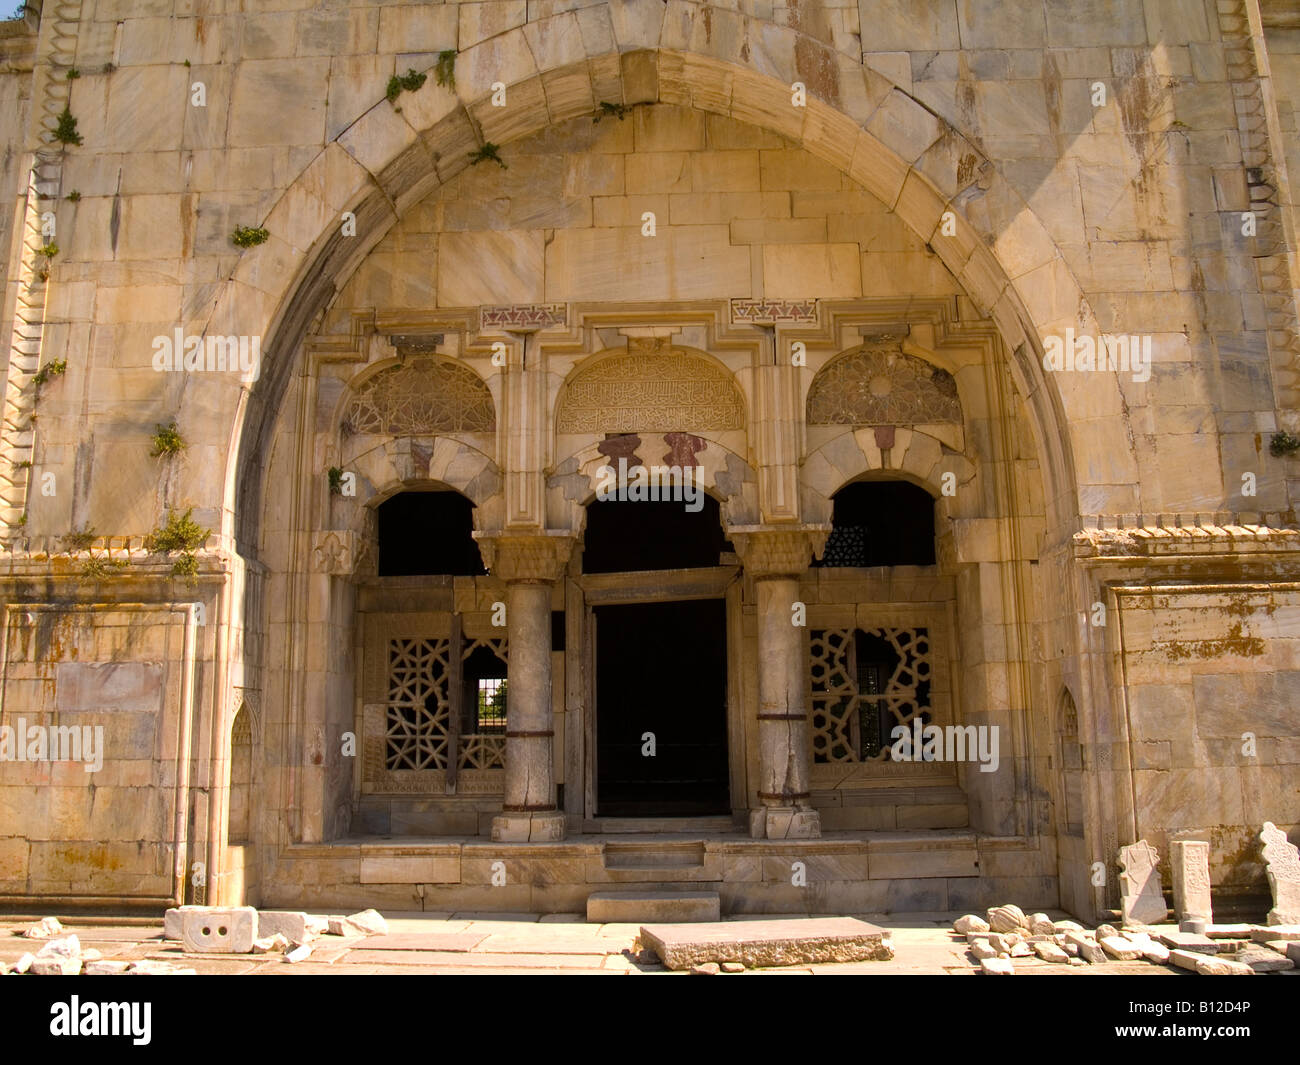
428 533
881 523
626 535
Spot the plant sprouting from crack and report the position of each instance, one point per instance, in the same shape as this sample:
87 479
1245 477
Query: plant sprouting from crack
73 73
53 368
79 539
74 196
50 250
180 534
98 567
444 72
167 440
408 82
336 480
66 130
489 151
1283 444
249 236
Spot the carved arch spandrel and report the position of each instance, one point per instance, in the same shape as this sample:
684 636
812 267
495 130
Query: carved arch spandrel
420 396
650 388
882 385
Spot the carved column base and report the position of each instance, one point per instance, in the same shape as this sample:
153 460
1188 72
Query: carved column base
784 822
528 828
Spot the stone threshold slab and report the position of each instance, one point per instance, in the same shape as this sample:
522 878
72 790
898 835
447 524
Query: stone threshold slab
768 943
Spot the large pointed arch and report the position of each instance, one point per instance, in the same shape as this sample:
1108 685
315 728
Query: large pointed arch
873 132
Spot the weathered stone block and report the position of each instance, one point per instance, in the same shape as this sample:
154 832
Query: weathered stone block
677 907
288 923
764 943
217 930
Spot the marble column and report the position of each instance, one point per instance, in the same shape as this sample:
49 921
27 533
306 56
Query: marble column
775 558
530 565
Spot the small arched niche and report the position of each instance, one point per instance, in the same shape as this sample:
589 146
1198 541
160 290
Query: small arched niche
239 827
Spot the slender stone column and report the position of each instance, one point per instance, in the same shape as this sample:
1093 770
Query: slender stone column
775 558
529 565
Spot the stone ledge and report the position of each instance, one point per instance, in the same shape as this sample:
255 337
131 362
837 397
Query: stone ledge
1127 535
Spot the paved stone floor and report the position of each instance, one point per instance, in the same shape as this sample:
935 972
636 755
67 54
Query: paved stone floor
526 943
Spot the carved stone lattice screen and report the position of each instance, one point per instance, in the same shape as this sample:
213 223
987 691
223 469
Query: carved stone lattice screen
480 749
418 705
882 386
864 684
421 397
655 393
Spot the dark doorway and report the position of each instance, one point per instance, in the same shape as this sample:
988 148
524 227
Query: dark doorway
662 668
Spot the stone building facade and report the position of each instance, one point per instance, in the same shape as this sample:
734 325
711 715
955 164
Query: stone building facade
813 259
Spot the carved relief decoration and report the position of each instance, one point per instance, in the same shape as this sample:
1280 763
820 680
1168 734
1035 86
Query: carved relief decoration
420 397
882 386
656 393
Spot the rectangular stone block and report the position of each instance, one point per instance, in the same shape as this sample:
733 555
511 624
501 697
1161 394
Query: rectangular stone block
172 921
218 930
291 924
614 907
766 943
1190 862
1189 941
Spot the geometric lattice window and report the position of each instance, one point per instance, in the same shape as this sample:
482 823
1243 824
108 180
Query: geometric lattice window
418 707
865 683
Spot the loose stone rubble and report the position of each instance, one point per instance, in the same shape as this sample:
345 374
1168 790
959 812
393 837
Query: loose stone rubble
46 929
1228 949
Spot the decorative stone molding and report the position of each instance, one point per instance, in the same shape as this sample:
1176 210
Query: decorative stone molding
767 552
651 393
335 551
1118 536
880 385
523 317
526 557
769 312
421 397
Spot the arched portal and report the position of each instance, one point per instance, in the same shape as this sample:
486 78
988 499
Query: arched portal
666 680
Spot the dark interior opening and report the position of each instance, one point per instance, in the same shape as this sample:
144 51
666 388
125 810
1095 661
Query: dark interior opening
881 523
428 534
661 668
628 535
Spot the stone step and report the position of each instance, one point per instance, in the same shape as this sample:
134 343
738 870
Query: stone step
633 907
764 943
720 825
663 854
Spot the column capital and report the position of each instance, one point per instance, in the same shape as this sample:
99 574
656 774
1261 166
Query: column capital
538 556
778 551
